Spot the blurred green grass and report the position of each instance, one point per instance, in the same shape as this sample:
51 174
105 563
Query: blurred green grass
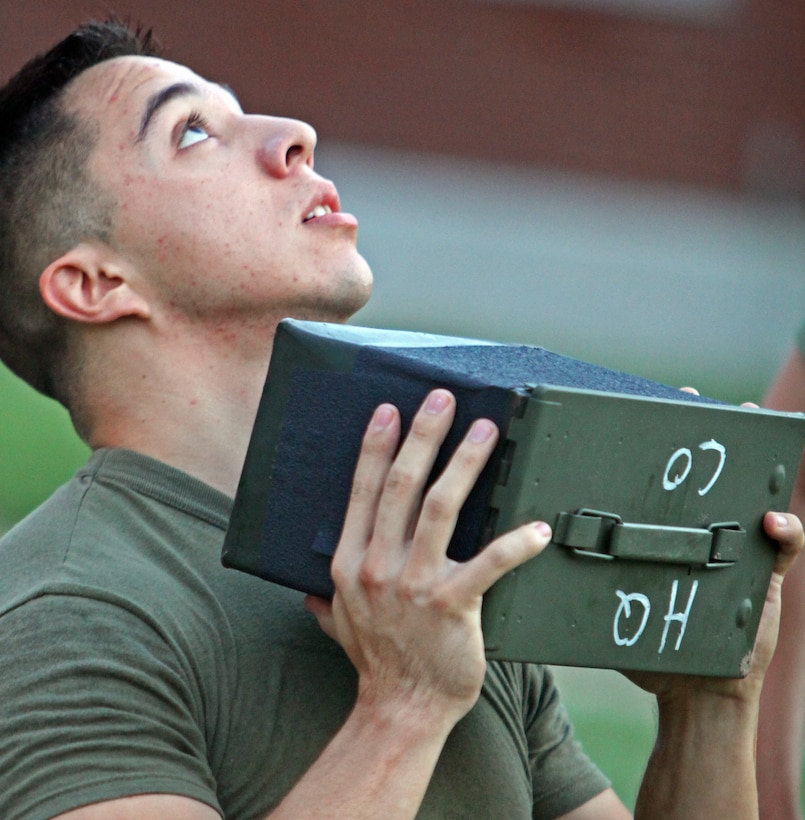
620 749
38 448
615 722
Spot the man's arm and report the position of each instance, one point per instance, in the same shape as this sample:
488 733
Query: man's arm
394 583
782 705
407 616
703 763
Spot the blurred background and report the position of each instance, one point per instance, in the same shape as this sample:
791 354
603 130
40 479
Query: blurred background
618 180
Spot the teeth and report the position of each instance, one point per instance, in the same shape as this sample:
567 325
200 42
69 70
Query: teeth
319 210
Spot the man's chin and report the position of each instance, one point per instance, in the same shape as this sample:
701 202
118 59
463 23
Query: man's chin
339 306
352 294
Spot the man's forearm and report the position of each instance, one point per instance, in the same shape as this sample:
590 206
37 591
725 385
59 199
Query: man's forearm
407 617
703 763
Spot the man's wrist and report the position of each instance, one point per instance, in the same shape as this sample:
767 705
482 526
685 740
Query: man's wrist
410 718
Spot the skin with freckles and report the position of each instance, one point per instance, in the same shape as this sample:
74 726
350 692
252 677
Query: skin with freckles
199 150
210 247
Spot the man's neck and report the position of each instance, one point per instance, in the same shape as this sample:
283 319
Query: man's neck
192 408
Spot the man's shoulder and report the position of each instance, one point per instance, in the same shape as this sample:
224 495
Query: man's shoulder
33 548
106 533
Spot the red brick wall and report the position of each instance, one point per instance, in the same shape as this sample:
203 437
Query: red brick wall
720 105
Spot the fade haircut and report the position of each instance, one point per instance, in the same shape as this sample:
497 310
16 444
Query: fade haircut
48 203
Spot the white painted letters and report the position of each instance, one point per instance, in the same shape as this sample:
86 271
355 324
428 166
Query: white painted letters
713 445
672 483
675 474
682 617
625 610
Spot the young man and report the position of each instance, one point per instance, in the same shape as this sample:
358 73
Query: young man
152 237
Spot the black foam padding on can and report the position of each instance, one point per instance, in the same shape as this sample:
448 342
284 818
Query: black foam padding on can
328 412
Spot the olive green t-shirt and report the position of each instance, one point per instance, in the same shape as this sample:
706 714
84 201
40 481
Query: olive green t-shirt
133 662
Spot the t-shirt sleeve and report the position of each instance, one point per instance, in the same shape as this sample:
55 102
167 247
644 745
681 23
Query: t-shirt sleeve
563 777
95 706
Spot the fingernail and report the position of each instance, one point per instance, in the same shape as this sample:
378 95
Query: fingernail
543 529
481 430
782 520
382 417
436 402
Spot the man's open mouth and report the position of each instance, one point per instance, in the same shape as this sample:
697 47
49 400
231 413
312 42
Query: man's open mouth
319 210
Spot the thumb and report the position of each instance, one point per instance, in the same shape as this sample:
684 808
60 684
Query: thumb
786 529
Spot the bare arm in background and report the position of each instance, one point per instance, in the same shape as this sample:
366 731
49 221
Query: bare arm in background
782 707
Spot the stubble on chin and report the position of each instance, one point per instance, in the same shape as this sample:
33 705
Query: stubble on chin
348 294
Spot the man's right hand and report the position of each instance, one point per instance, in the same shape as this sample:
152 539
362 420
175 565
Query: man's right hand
406 614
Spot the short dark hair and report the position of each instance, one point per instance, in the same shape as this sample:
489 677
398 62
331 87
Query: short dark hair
48 203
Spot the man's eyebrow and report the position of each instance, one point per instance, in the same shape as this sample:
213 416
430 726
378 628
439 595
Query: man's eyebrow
161 98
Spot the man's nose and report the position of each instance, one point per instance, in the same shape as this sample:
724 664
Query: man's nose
285 145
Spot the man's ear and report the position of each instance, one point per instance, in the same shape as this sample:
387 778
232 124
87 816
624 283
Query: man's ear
91 284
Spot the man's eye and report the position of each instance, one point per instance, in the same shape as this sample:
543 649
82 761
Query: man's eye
195 130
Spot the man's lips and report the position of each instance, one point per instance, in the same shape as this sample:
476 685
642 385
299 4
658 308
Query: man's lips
325 208
332 219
